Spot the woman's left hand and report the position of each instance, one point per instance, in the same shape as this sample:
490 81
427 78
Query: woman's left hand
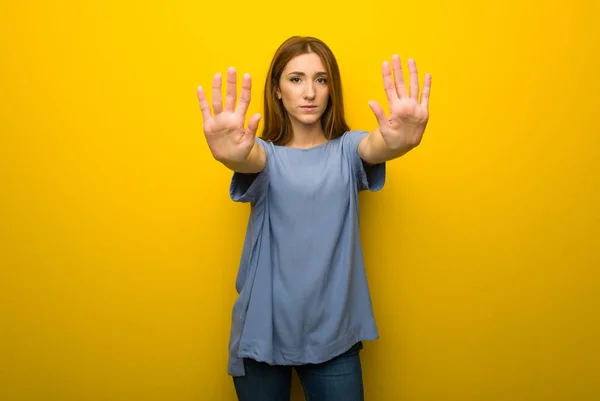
405 125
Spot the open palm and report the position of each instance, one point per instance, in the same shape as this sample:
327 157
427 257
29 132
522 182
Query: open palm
408 116
225 133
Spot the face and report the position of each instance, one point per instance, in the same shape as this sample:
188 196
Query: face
303 88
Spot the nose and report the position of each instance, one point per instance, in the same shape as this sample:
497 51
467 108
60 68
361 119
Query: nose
309 92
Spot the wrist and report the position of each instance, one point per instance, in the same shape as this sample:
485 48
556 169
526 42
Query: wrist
254 161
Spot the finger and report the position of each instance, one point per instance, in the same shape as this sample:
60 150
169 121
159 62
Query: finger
399 76
414 79
217 101
244 96
426 91
388 83
253 123
379 113
203 104
231 93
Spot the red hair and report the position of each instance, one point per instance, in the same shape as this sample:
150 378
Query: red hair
277 126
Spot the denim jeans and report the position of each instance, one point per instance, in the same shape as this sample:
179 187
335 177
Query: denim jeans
339 379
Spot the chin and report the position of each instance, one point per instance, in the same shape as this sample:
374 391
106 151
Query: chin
309 120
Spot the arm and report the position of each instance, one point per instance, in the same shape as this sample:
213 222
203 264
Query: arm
403 129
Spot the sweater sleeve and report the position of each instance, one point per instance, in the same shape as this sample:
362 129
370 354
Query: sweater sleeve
251 187
368 177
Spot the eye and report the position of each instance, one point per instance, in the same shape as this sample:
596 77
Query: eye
322 80
295 79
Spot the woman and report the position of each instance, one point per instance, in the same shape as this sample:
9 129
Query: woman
303 297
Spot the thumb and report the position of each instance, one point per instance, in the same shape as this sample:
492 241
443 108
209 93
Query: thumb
379 113
253 124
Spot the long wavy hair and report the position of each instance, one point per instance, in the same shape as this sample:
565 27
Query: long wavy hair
277 127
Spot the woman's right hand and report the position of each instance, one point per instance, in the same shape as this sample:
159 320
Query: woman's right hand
228 140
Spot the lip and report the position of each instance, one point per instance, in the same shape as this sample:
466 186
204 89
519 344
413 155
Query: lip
308 107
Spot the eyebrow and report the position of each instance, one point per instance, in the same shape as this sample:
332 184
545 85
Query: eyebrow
303 74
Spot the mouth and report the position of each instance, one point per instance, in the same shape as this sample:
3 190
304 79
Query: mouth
308 107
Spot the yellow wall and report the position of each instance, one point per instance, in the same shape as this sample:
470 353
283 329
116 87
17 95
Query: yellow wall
119 244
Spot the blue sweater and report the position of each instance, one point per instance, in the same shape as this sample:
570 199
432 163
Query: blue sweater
302 289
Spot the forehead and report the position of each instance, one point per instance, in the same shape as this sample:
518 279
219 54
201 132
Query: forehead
307 63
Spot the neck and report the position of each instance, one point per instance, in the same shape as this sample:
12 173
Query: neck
307 136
